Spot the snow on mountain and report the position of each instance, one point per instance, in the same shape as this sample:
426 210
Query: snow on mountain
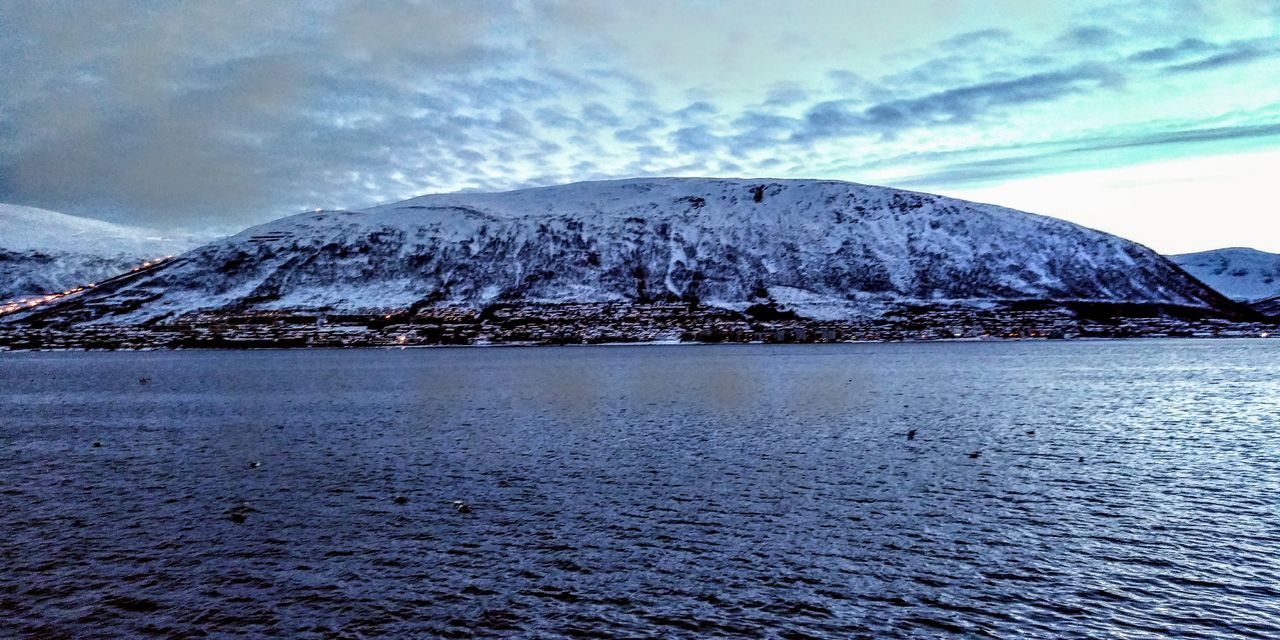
44 251
1238 273
826 249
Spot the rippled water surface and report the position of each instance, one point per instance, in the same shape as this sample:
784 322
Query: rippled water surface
1120 489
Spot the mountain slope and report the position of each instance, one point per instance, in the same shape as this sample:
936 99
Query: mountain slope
1268 307
823 248
1238 273
44 251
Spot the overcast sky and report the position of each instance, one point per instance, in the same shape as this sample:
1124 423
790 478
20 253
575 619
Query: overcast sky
1159 121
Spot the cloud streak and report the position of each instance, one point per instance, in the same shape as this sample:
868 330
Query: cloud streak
959 105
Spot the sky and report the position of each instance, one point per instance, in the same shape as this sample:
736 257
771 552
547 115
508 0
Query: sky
1157 121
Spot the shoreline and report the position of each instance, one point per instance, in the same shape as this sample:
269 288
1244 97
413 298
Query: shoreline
654 343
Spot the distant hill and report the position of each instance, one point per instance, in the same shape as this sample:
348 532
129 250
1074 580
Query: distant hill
44 251
1268 307
1239 273
823 249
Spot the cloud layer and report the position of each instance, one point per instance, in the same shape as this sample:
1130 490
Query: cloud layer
219 114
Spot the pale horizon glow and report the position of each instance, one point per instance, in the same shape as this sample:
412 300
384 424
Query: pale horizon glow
1156 203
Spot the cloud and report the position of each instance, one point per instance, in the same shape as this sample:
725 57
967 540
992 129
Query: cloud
786 94
1181 136
1090 36
225 113
555 117
957 105
599 114
984 166
512 122
695 139
1184 48
1237 55
639 134
178 113
696 110
978 38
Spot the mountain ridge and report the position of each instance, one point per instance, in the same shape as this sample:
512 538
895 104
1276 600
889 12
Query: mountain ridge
1240 273
823 248
43 251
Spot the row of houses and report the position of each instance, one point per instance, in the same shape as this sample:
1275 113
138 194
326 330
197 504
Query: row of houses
605 322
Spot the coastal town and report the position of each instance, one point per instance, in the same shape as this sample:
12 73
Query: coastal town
605 323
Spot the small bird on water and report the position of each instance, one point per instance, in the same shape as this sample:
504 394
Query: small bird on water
239 513
975 454
255 464
911 435
461 506
400 500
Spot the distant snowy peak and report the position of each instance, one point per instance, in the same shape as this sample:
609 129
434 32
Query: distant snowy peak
31 229
45 251
1238 273
826 249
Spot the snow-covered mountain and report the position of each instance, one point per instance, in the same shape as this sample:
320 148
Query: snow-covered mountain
44 251
1239 273
825 249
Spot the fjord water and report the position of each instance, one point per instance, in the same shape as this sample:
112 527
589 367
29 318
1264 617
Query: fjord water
1120 489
